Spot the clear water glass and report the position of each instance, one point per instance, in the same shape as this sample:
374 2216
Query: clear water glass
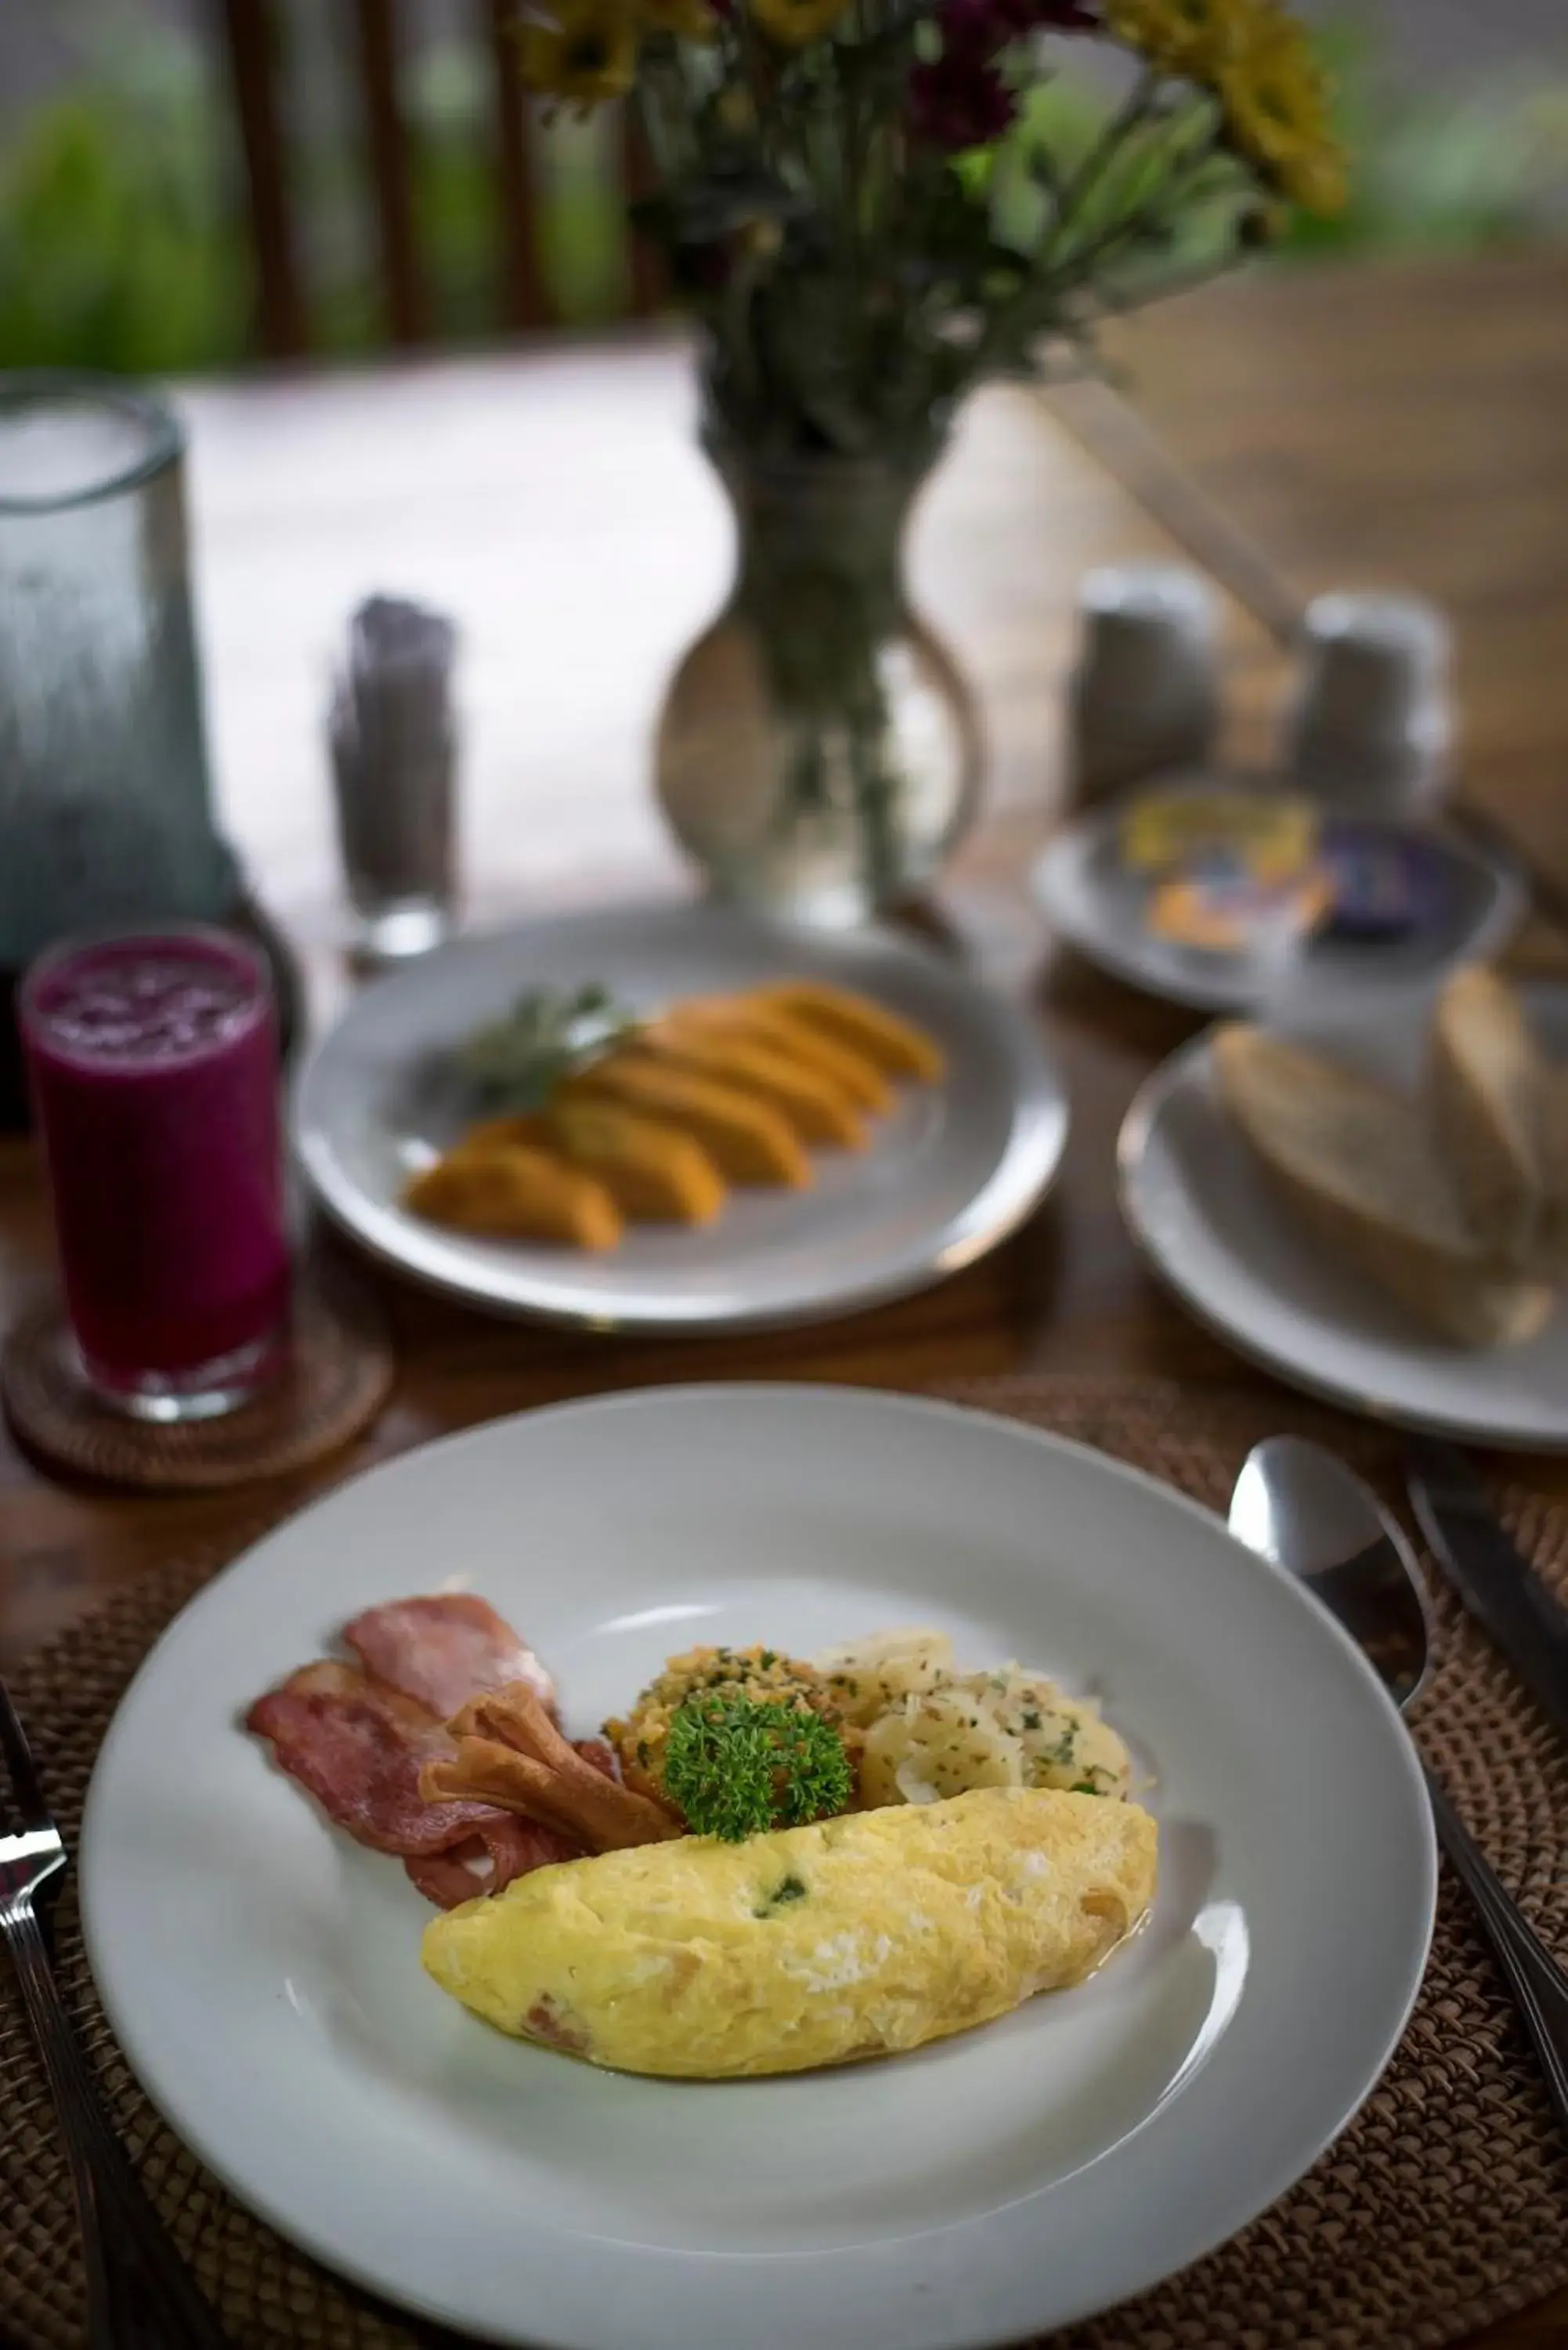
106 812
105 795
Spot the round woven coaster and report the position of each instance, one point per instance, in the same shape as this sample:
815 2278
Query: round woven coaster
1442 2207
336 1379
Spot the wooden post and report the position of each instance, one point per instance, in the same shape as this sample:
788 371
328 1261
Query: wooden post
645 264
251 35
391 172
524 301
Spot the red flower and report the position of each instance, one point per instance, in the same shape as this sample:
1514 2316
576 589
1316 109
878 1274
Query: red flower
960 101
970 28
980 28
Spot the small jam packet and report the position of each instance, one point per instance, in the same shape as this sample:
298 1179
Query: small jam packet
1387 880
1270 836
1217 908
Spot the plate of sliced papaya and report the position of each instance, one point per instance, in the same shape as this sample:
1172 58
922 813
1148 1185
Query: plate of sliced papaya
679 1119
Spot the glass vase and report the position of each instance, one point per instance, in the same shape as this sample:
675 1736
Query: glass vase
819 751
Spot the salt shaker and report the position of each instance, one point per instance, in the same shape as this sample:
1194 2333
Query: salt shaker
1144 698
393 734
1370 726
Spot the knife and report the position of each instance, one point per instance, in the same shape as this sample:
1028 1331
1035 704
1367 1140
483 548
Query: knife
1489 1571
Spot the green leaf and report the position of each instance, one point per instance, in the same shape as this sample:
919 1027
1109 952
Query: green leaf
516 1063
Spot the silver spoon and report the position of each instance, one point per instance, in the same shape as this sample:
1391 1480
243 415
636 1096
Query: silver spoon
1298 1505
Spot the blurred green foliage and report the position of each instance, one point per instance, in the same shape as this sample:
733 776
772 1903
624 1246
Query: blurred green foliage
1470 167
122 245
582 235
118 248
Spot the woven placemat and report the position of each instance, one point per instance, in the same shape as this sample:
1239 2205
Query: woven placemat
1443 2207
333 1380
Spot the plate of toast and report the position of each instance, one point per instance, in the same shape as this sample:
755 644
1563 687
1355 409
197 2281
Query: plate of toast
1375 1208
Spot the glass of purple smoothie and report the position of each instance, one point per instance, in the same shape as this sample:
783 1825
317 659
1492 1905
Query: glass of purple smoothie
153 1058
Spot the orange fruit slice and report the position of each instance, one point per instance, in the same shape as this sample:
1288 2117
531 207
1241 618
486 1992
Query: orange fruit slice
516 1193
746 1140
857 1077
895 1045
813 1105
654 1172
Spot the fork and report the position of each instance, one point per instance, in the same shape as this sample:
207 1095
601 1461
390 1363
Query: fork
138 2296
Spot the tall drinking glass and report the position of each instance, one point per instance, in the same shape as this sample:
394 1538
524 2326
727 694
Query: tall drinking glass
105 814
154 1069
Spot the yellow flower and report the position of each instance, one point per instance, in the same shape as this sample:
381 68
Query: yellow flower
1192 38
1256 59
793 23
1276 113
689 20
583 52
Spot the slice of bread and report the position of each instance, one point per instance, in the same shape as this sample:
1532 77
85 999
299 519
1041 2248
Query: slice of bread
1357 1162
1487 1083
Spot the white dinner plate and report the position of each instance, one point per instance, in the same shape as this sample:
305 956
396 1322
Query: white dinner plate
1096 905
263 1972
948 1174
1200 1205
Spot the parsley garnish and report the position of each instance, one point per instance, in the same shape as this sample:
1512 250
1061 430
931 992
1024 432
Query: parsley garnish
790 1888
739 1765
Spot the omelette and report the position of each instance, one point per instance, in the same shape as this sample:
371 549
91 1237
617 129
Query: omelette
859 1935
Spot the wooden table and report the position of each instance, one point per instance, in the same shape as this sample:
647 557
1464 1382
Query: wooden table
1407 426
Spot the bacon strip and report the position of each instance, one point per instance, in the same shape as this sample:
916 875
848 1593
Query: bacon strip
509 1849
442 1649
358 1747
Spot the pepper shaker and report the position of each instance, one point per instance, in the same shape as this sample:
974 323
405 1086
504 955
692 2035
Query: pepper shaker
1144 698
1370 727
393 734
